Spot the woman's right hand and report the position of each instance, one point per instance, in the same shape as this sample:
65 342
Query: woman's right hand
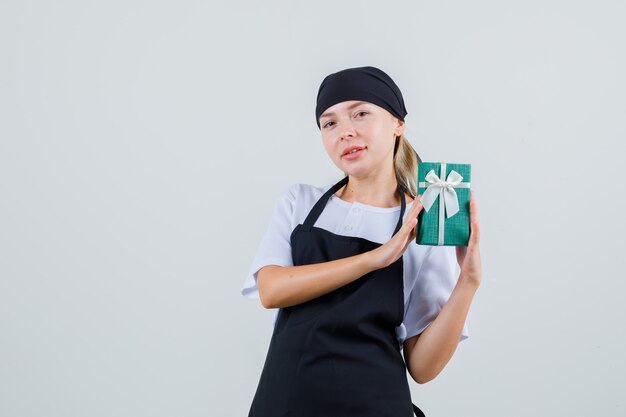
391 251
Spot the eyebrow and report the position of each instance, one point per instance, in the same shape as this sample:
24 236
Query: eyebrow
358 103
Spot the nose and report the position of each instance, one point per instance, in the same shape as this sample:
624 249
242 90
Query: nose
347 130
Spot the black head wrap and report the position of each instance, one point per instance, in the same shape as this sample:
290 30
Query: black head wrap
362 83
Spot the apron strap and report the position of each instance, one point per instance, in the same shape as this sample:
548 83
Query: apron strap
402 209
321 203
417 411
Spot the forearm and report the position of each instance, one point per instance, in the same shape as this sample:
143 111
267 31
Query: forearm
286 286
430 352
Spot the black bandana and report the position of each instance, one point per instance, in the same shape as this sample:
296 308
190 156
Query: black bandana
362 83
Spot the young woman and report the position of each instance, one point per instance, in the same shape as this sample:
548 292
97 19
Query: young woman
351 287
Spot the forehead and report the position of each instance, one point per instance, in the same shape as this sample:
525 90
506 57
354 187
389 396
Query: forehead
344 106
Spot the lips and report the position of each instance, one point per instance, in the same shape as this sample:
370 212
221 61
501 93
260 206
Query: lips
350 149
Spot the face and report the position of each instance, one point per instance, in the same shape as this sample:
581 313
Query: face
363 126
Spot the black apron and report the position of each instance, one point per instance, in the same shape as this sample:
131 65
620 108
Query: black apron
337 355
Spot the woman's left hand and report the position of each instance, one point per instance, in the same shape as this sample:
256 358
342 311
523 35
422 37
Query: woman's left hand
468 257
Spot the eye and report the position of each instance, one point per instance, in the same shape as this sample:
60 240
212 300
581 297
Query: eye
326 124
362 112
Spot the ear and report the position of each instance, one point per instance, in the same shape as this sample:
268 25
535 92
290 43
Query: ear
400 125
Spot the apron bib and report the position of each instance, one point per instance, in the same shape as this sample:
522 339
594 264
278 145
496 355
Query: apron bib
337 355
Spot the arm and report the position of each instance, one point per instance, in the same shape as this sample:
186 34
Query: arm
284 286
428 353
289 285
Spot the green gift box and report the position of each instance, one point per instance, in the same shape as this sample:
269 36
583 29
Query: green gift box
445 194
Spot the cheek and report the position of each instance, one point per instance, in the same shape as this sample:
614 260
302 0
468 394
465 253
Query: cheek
384 138
328 146
381 131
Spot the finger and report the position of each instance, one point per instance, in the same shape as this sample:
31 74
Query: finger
473 206
475 227
475 234
415 208
417 205
413 211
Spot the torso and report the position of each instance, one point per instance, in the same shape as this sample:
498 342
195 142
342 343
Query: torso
329 354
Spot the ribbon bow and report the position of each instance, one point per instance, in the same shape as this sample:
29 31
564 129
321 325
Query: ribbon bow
436 187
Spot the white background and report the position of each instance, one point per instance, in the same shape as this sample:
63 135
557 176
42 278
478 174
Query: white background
143 145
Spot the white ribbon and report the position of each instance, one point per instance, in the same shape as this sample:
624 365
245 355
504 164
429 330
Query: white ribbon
449 203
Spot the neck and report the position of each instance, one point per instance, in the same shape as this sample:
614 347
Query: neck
375 190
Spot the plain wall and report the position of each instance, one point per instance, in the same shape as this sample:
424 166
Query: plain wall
143 145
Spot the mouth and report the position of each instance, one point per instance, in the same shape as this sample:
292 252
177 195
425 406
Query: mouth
352 152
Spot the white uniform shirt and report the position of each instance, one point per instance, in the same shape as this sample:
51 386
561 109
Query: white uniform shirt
430 272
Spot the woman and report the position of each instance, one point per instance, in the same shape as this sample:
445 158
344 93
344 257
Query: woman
341 265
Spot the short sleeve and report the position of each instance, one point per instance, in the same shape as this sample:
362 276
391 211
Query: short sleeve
435 282
275 246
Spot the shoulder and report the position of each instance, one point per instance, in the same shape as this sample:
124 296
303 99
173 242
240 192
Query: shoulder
302 194
298 199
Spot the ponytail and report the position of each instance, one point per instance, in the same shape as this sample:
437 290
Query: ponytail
405 161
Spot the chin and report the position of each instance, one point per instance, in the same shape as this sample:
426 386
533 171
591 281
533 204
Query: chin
354 172
354 169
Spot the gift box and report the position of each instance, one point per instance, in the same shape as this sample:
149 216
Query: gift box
445 195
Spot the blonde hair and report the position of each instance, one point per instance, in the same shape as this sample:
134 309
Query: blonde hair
405 161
